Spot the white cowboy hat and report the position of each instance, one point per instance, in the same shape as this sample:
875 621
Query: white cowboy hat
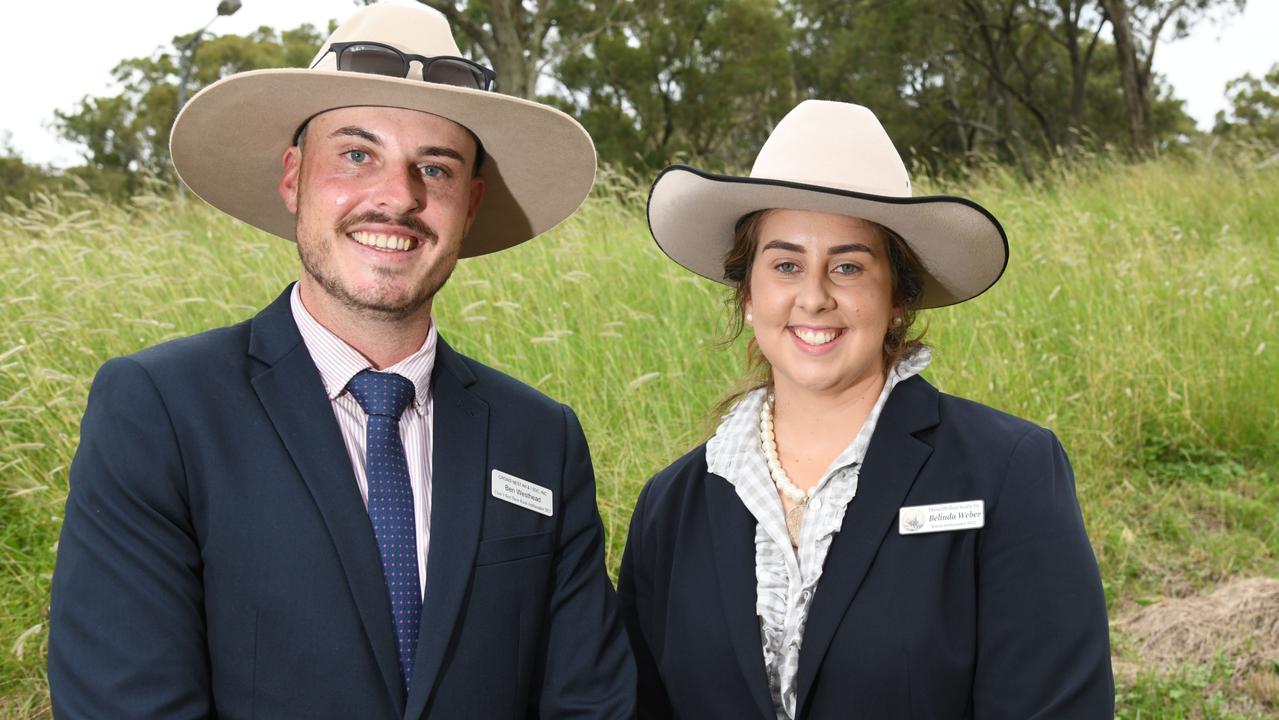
829 157
227 142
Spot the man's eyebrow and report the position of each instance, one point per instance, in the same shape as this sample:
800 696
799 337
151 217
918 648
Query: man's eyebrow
359 132
440 151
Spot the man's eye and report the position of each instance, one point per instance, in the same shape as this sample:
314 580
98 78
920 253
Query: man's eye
434 171
357 156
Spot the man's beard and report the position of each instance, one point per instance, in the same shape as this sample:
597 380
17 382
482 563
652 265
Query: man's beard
313 255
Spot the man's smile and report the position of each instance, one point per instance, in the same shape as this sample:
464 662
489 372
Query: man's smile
382 241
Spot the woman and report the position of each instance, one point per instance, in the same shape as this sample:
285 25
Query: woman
852 542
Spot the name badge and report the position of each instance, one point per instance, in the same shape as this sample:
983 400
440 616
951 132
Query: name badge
919 519
523 493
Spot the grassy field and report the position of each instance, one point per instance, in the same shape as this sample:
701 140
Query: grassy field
1139 319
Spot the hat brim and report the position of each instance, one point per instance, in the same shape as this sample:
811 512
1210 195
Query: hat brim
692 216
228 141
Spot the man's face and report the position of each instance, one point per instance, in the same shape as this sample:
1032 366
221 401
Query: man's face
383 198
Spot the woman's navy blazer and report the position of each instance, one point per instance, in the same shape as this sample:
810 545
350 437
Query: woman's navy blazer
1005 621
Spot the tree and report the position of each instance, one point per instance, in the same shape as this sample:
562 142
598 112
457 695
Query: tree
1254 108
522 40
129 132
1138 26
694 80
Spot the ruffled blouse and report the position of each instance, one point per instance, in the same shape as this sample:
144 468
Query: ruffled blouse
786 579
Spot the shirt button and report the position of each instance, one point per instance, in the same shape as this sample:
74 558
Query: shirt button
816 504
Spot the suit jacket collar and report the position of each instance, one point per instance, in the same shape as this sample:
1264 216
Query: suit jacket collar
459 457
893 461
292 393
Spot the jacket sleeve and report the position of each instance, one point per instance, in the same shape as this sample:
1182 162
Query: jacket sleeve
589 672
635 593
1043 640
127 636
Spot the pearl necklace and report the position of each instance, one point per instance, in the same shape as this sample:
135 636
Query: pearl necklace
768 439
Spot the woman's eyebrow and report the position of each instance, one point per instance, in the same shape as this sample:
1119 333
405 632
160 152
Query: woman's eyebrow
850 248
782 245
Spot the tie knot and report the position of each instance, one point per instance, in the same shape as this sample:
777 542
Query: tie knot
381 393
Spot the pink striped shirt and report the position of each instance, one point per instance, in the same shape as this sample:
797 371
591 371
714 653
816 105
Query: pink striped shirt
338 363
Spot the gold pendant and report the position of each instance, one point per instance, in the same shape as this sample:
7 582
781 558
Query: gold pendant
795 522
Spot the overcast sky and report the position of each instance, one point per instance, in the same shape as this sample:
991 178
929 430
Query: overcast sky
58 51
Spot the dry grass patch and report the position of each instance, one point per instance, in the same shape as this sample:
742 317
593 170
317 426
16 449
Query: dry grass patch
1236 624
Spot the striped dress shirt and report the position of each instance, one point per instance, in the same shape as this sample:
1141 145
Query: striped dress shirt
338 363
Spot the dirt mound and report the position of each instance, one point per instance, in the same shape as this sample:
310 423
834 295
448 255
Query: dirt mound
1239 620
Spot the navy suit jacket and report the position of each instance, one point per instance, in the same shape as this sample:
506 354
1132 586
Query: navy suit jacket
1008 621
216 559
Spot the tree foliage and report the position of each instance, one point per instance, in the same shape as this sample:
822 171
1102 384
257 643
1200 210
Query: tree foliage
704 81
129 132
683 79
1254 108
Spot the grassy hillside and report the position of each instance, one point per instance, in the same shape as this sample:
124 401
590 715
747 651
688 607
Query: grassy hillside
1139 319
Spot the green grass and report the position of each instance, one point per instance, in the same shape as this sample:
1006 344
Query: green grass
1139 319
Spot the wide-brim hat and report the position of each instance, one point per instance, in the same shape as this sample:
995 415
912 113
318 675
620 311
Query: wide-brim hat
830 157
227 142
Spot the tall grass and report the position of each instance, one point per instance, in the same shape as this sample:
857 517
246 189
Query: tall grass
1137 319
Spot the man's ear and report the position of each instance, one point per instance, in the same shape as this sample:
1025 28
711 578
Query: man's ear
473 203
292 161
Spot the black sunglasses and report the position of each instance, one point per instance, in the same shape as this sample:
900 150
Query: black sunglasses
378 59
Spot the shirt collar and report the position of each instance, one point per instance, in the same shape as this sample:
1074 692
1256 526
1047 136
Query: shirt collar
736 444
338 362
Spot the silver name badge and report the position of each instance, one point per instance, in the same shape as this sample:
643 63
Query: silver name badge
920 519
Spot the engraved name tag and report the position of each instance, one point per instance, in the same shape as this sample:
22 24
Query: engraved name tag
919 519
523 493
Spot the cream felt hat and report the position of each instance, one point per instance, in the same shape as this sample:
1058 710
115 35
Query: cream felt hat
829 157
227 142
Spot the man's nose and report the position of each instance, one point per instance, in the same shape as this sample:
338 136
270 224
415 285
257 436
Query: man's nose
401 191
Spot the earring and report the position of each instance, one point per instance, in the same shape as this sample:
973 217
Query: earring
749 318
897 321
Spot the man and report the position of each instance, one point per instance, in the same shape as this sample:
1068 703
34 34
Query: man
326 512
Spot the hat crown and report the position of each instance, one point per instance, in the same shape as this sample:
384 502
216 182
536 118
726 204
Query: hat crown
409 29
836 145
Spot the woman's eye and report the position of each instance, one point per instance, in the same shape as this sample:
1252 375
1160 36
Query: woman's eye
357 156
787 267
847 269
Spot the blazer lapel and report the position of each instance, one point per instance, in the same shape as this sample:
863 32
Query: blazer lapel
459 456
293 395
733 539
893 461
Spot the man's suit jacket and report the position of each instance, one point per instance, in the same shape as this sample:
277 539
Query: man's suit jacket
216 558
1008 621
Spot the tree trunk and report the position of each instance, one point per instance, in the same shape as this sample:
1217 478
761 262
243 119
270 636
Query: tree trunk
511 44
1135 83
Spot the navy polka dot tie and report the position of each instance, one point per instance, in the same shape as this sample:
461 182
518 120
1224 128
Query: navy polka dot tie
384 397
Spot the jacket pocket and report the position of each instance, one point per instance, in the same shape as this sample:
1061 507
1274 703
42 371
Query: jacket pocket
516 547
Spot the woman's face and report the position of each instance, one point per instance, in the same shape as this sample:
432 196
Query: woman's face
820 300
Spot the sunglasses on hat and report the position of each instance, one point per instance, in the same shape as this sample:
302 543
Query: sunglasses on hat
378 59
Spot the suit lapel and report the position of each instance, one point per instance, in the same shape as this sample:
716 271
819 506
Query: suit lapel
293 395
893 461
459 456
733 539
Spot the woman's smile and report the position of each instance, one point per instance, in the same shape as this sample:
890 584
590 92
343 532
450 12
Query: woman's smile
816 340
